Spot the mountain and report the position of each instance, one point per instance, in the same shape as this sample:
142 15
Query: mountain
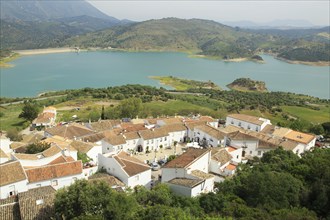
276 24
173 34
47 10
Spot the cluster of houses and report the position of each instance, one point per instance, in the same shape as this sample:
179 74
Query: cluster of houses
111 145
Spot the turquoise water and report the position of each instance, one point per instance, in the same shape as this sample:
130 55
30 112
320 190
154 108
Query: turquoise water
33 75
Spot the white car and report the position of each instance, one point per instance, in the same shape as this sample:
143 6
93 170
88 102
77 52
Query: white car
155 166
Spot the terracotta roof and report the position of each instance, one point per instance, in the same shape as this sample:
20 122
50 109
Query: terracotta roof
9 209
230 129
81 146
174 127
59 141
115 139
220 155
44 117
288 145
231 167
187 158
70 131
192 124
94 137
170 121
54 171
281 132
191 183
131 135
299 137
238 135
16 145
231 149
32 138
11 172
211 131
200 174
247 118
129 127
111 180
61 159
268 129
27 156
54 149
3 154
29 209
153 133
105 125
207 119
131 165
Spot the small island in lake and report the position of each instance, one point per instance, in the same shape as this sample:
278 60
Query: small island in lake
248 85
185 84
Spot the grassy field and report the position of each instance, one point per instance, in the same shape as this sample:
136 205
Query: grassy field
10 119
313 116
4 62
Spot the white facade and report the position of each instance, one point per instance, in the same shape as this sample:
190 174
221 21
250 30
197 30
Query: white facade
94 152
13 188
57 183
153 144
247 125
3 159
37 162
177 136
143 179
5 145
236 155
205 186
207 139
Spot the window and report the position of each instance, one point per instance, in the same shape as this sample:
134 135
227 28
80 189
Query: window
257 129
136 178
38 185
239 124
11 190
249 127
259 152
54 183
165 138
251 152
211 139
40 202
232 122
297 151
237 157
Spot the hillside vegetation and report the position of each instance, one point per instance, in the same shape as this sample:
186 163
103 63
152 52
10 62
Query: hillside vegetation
247 84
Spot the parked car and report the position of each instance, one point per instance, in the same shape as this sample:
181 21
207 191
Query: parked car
155 166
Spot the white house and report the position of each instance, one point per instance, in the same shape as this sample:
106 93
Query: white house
90 149
3 156
248 143
56 175
46 118
247 122
113 143
132 141
13 179
129 170
153 138
307 140
177 132
5 144
207 135
188 173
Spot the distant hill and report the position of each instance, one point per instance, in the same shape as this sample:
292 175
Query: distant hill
173 34
248 85
275 24
48 10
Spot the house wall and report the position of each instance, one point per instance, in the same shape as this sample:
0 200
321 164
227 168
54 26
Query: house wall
214 124
310 144
113 168
20 186
299 149
237 155
210 140
246 125
4 159
217 167
201 164
171 173
5 145
109 148
61 182
39 162
180 190
143 179
156 142
249 146
205 187
93 153
90 171
177 136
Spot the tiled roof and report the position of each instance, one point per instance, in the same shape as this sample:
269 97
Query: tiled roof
131 135
60 142
238 135
288 145
81 146
247 118
231 167
231 149
29 209
70 131
153 133
9 209
111 180
54 171
32 138
131 165
61 159
115 139
16 145
220 155
187 158
105 125
200 174
191 183
230 129
207 119
27 156
11 172
174 127
94 137
129 127
299 137
54 149
192 124
211 131
43 118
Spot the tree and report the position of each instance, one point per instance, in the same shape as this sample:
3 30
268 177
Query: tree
37 147
317 129
130 108
29 111
14 135
102 113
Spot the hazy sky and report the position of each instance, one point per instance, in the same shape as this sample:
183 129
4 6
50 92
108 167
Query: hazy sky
316 12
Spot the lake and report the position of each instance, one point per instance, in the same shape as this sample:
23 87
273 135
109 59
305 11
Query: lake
35 74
